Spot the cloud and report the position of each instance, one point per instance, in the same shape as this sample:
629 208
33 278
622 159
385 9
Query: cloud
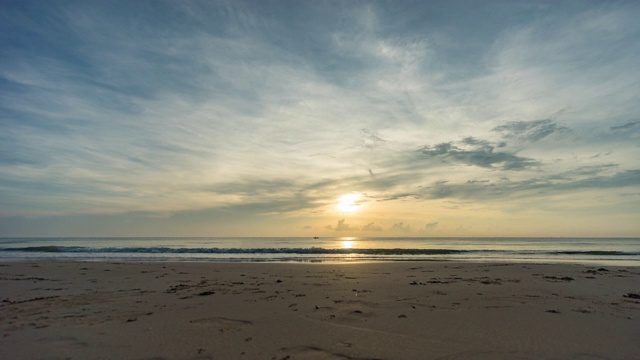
400 227
633 126
578 61
342 226
371 227
244 109
587 178
480 153
431 225
370 139
252 187
530 130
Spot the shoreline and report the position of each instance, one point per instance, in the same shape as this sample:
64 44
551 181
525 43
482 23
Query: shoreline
593 251
146 260
375 310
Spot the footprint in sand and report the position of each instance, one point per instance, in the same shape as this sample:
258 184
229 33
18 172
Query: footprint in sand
65 341
312 353
224 324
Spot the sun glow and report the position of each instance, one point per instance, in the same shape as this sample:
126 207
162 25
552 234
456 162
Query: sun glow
347 243
349 203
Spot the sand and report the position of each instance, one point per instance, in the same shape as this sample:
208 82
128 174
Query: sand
402 310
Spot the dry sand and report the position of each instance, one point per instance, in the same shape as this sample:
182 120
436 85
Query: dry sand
417 310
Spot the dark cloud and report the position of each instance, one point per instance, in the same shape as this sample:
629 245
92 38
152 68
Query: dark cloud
615 136
477 181
582 171
401 196
582 178
470 140
478 153
530 130
266 206
631 126
251 187
266 196
620 179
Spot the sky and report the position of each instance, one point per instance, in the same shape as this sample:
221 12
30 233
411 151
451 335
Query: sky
320 118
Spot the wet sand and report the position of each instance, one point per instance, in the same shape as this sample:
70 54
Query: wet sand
402 310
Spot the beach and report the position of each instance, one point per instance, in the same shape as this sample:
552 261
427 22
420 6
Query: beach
374 310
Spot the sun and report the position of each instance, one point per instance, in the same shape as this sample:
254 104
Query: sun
349 203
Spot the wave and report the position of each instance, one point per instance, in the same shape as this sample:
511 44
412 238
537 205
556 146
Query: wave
167 250
308 251
596 252
47 249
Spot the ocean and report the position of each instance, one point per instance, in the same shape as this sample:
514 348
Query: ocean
596 251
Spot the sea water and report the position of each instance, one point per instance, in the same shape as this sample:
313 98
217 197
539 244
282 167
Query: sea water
603 251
